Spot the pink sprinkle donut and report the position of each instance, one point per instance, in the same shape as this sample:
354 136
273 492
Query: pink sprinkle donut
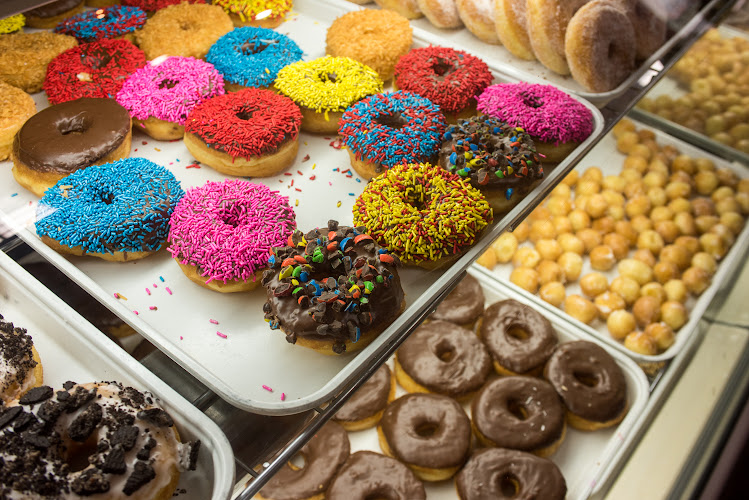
222 233
161 94
556 122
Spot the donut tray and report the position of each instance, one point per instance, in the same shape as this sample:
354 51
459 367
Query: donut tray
72 349
609 160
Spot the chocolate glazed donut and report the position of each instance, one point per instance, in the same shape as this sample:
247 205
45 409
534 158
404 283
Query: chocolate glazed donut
463 305
367 474
364 409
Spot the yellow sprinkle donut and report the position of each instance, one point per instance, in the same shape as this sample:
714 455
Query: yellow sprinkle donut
258 13
12 23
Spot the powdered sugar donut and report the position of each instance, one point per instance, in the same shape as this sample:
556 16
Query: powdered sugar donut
441 13
478 16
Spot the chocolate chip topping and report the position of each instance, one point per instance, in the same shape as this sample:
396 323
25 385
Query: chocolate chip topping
114 462
156 416
36 395
463 305
15 349
142 474
125 436
84 424
90 482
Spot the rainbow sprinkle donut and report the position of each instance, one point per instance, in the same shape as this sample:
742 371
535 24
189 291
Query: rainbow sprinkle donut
109 22
252 57
12 24
261 13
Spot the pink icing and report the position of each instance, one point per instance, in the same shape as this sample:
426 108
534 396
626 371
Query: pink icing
168 88
544 111
227 229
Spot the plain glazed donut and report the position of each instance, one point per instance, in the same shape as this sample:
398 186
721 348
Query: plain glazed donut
258 13
478 18
24 57
547 25
365 407
47 16
441 13
115 21
20 366
464 304
16 106
429 433
511 23
367 474
406 8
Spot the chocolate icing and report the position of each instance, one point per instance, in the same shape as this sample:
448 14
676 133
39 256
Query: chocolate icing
369 398
588 380
519 355
367 475
324 454
427 430
15 349
71 135
489 469
54 9
445 358
497 407
464 304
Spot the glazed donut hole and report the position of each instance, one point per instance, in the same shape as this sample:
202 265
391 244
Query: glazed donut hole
674 314
562 224
620 323
653 289
685 222
549 271
657 196
676 290
540 213
713 244
526 278
571 243
549 249
642 149
668 230
622 126
664 271
571 265
696 280
602 258
580 308
614 183
505 247
650 240
571 178
725 234
604 225
743 200
581 201
637 205
646 135
636 269
721 193
743 186
660 213
733 221
579 219
616 212
684 163
706 182
553 293
630 175
594 284
487 259
644 255
526 257
593 174
596 206
705 261
725 205
521 231
654 179
590 238
634 189
641 343
613 197
727 177
558 205
542 229
646 309
662 333
608 302
703 206
626 288
618 244
561 190
626 141
587 188
678 189
689 243
679 205
705 222
658 166
704 164
625 229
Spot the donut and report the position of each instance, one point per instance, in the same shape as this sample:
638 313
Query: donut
115 21
222 232
367 474
556 122
511 24
444 358
547 25
590 383
67 137
600 46
324 455
126 444
498 159
161 94
464 305
406 8
449 78
24 57
325 87
377 38
422 213
20 367
183 29
12 24
430 433
47 16
253 132
650 29
332 289
151 6
96 69
16 106
520 413
478 18
116 211
259 13
500 473
441 13
251 57
384 130
364 408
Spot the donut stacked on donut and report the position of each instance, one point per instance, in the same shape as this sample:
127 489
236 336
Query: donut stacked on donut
24 57
20 366
115 21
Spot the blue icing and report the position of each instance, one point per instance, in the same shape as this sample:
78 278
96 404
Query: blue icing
91 25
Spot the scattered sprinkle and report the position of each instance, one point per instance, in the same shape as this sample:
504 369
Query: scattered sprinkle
193 165
153 308
267 388
155 285
148 291
312 178
213 321
136 312
222 335
306 158
161 278
119 296
157 149
283 396
338 204
14 195
168 291
180 337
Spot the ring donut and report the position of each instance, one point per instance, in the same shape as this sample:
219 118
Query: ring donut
115 21
367 475
364 408
24 57
258 13
16 106
464 305
20 366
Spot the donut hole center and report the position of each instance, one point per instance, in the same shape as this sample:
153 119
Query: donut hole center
394 120
168 83
518 409
442 68
77 454
186 26
245 114
326 77
518 333
426 429
298 461
444 351
231 216
509 485
255 47
75 125
586 378
532 101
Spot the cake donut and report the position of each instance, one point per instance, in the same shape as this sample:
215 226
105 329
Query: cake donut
114 21
449 78
367 474
161 94
253 132
406 8
519 339
96 69
324 455
24 57
511 23
332 289
556 122
441 13
252 57
384 130
116 211
258 13
16 106
364 408
67 137
463 305
222 232
20 366
590 383
325 87
12 24
127 444
422 213
47 16
500 473
547 25
478 18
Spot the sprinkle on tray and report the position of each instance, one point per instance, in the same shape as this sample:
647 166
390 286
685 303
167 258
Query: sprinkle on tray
148 291
338 204
313 177
157 149
296 204
283 396
155 285
267 388
181 337
136 313
153 308
306 158
161 278
14 195
213 321
193 165
168 291
222 335
119 296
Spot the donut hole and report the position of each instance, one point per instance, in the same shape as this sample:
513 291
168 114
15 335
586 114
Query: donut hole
245 114
186 26
586 378
394 120
326 77
442 68
255 47
517 332
532 101
298 461
168 83
96 61
77 454
509 485
232 215
426 429
517 409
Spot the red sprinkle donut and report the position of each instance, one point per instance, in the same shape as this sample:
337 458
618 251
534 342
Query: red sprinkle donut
96 69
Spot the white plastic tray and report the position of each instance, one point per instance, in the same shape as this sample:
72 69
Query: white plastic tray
72 349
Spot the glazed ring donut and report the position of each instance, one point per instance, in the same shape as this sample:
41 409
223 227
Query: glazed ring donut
520 340
115 21
478 18
252 57
67 137
325 87
117 211
222 232
521 413
511 23
364 408
20 366
259 13
16 106
96 69
464 305
590 383
441 13
134 450
422 213
24 57
490 470
12 24
161 94
443 358
547 25
367 474
324 455
47 16
406 8
429 433
600 46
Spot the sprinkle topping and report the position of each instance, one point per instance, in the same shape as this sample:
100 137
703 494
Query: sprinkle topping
12 23
107 22
250 9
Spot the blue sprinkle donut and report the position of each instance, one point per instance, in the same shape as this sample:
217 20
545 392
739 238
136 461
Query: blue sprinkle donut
117 211
390 129
108 22
252 57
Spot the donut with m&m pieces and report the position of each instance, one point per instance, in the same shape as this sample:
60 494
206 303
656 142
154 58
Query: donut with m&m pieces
259 13
114 21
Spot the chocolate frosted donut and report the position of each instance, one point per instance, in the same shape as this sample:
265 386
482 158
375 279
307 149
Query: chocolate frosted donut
429 433
463 305
367 474
498 473
521 413
444 358
590 383
365 407
518 338
323 455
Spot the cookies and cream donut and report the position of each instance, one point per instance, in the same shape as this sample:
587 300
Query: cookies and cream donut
20 366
